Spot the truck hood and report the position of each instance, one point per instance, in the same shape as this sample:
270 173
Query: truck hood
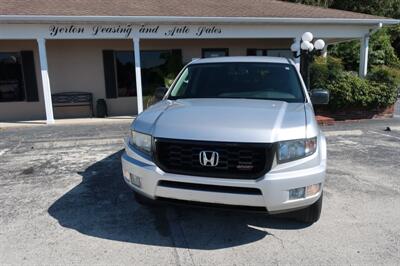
228 120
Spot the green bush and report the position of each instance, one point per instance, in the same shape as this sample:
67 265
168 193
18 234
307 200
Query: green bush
347 89
324 69
387 82
388 75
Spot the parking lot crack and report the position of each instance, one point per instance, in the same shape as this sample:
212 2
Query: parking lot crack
179 240
277 238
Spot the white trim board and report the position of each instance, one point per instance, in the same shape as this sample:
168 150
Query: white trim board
175 31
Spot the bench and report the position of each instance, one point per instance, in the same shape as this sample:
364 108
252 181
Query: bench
71 99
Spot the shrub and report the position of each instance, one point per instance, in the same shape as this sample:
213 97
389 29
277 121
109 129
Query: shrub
324 69
379 89
348 90
387 82
387 75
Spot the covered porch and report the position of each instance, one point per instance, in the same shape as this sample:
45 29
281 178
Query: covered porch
67 58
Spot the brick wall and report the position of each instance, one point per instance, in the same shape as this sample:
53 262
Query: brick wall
355 113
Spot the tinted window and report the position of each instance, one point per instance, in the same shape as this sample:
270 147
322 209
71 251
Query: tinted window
239 80
11 78
158 68
256 52
125 70
214 52
270 52
280 53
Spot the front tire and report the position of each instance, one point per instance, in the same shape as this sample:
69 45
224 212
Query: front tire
310 214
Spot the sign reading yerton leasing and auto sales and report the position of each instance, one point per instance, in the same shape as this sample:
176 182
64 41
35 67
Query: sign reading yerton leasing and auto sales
106 30
129 30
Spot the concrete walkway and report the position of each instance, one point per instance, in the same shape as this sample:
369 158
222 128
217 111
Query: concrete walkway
70 121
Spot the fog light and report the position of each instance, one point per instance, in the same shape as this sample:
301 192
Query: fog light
135 180
313 189
297 193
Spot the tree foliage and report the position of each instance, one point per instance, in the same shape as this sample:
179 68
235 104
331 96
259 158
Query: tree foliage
395 38
385 8
384 46
338 75
381 52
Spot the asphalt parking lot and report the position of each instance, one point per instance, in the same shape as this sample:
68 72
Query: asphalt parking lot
63 201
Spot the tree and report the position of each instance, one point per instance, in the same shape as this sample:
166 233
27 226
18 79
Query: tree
395 38
386 8
381 52
385 44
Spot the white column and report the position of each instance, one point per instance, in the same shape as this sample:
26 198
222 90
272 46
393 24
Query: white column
364 56
297 59
45 80
138 73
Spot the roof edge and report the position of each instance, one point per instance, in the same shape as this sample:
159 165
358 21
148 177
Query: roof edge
183 19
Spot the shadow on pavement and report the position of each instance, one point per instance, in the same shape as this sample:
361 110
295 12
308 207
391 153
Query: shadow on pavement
103 206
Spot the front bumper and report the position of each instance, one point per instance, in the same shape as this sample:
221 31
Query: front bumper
274 185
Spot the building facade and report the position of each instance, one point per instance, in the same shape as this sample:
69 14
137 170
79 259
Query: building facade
123 57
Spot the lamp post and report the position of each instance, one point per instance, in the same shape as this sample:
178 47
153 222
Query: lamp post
306 50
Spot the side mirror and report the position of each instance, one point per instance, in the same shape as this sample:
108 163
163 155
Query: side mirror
319 96
160 93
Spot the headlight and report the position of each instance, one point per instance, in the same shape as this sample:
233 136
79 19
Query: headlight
296 149
141 141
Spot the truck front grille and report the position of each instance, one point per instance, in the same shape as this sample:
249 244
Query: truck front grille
236 160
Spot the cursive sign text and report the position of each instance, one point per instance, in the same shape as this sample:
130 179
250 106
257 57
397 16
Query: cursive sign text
128 30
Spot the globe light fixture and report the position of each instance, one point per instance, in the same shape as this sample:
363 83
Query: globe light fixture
319 44
306 44
306 49
307 37
295 47
310 47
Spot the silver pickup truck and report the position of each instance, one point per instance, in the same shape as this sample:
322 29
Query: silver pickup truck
236 131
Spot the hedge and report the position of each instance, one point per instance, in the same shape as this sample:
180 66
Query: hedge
347 89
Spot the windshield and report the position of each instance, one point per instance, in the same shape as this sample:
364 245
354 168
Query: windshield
267 81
